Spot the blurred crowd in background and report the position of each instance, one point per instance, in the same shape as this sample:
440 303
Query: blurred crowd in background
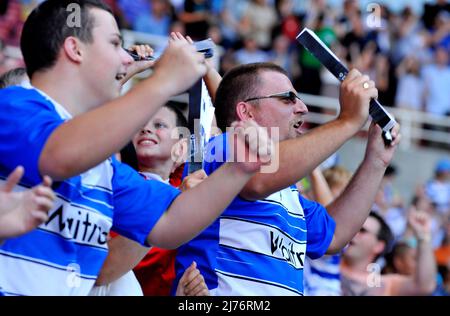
405 52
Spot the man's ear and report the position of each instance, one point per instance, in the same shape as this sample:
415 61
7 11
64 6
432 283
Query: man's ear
72 49
380 247
244 111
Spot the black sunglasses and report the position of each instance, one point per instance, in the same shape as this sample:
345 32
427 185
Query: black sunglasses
288 95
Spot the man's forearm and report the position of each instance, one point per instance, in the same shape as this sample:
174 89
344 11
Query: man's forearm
320 188
298 157
212 81
88 139
352 207
123 255
197 208
425 274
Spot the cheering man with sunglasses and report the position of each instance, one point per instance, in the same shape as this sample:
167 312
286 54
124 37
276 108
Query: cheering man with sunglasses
258 245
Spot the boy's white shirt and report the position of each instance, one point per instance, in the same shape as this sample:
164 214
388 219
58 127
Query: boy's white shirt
126 285
153 176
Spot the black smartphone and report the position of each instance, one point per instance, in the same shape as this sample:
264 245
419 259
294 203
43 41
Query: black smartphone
136 57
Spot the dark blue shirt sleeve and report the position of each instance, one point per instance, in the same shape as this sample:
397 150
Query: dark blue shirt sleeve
138 203
320 228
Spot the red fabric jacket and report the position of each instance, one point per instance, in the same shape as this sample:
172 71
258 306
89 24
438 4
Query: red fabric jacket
156 272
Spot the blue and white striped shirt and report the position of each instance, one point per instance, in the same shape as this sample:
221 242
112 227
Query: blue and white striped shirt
323 276
258 247
64 255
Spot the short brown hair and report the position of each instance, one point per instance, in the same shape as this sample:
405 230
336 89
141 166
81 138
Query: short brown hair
239 84
46 29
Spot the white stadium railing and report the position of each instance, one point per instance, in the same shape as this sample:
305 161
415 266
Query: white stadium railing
411 122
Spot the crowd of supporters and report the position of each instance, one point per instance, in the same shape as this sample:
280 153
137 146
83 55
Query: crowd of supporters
404 52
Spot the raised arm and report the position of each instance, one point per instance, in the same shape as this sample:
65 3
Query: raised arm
321 189
299 156
195 209
212 78
88 139
352 207
124 254
423 282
